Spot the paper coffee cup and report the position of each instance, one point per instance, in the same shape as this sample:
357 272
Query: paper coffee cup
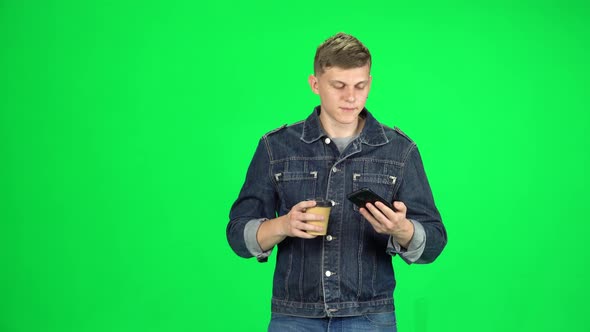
323 208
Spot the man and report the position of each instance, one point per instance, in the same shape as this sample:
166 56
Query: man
343 280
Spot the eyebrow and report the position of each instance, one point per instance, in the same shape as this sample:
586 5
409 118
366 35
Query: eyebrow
337 81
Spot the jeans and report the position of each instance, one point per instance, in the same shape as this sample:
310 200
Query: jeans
381 322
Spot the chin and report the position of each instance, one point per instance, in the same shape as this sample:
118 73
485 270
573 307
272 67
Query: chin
349 118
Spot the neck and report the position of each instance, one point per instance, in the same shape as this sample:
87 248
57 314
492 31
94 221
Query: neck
337 130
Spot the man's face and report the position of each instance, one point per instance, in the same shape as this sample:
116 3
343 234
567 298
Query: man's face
343 94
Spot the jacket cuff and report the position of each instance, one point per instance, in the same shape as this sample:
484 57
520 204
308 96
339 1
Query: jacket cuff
252 244
415 248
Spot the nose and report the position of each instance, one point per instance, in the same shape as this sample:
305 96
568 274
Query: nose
350 97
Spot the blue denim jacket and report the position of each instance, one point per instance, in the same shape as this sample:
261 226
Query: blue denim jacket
349 271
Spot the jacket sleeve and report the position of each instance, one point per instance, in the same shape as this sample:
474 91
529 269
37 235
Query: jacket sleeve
415 247
416 194
257 201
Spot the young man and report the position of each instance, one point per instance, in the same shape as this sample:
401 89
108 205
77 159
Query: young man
343 280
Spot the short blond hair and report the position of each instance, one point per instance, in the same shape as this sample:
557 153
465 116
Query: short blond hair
341 50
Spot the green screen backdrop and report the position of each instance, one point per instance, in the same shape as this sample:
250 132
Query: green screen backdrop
126 128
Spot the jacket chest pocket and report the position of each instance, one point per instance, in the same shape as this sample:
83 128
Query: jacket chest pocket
382 184
295 187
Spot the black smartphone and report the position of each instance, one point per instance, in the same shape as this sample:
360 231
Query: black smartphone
366 195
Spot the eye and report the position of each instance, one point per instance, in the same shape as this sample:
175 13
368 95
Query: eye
338 86
361 86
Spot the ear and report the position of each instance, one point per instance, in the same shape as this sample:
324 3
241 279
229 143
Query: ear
313 84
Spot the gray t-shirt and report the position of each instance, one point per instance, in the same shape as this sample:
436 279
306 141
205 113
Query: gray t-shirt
342 142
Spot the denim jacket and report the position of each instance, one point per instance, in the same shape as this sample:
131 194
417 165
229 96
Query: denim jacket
349 271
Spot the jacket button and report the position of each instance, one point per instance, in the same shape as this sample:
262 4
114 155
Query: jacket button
327 140
328 273
334 169
329 238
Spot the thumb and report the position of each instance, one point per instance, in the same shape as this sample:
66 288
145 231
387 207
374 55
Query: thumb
400 206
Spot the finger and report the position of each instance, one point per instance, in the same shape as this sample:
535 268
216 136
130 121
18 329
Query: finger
301 227
371 219
388 223
303 234
311 216
386 211
400 206
378 214
304 216
301 206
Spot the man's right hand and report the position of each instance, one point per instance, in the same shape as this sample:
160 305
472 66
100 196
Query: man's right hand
293 224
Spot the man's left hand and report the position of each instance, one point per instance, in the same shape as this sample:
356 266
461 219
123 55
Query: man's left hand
386 221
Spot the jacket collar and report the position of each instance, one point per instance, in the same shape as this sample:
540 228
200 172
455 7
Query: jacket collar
373 133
